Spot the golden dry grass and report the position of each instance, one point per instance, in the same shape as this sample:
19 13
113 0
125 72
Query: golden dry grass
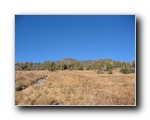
76 88
24 79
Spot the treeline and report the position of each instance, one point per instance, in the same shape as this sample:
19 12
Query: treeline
100 66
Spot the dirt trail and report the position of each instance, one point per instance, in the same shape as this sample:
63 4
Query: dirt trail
37 83
40 81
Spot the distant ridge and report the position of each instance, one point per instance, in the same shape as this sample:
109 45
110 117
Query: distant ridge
68 59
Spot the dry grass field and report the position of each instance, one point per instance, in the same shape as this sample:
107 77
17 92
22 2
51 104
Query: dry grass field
74 88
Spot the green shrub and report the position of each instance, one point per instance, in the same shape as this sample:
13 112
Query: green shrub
80 68
125 70
100 72
132 70
51 66
110 72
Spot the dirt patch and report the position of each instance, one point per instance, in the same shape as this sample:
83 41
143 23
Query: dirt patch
40 81
37 83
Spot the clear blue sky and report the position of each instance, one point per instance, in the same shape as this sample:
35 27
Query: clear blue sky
83 37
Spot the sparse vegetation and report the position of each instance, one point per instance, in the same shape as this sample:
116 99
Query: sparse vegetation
73 82
101 66
125 68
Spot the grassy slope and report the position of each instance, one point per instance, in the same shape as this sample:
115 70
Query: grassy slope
77 88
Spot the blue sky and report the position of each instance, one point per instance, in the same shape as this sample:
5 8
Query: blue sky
83 37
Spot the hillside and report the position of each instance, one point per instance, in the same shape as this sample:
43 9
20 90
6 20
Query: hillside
100 65
74 87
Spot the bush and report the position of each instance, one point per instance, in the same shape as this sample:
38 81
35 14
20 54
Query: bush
100 72
80 68
88 67
51 66
132 70
110 72
64 67
125 70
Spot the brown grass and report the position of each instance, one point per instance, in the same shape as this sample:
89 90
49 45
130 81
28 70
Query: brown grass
24 79
76 88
